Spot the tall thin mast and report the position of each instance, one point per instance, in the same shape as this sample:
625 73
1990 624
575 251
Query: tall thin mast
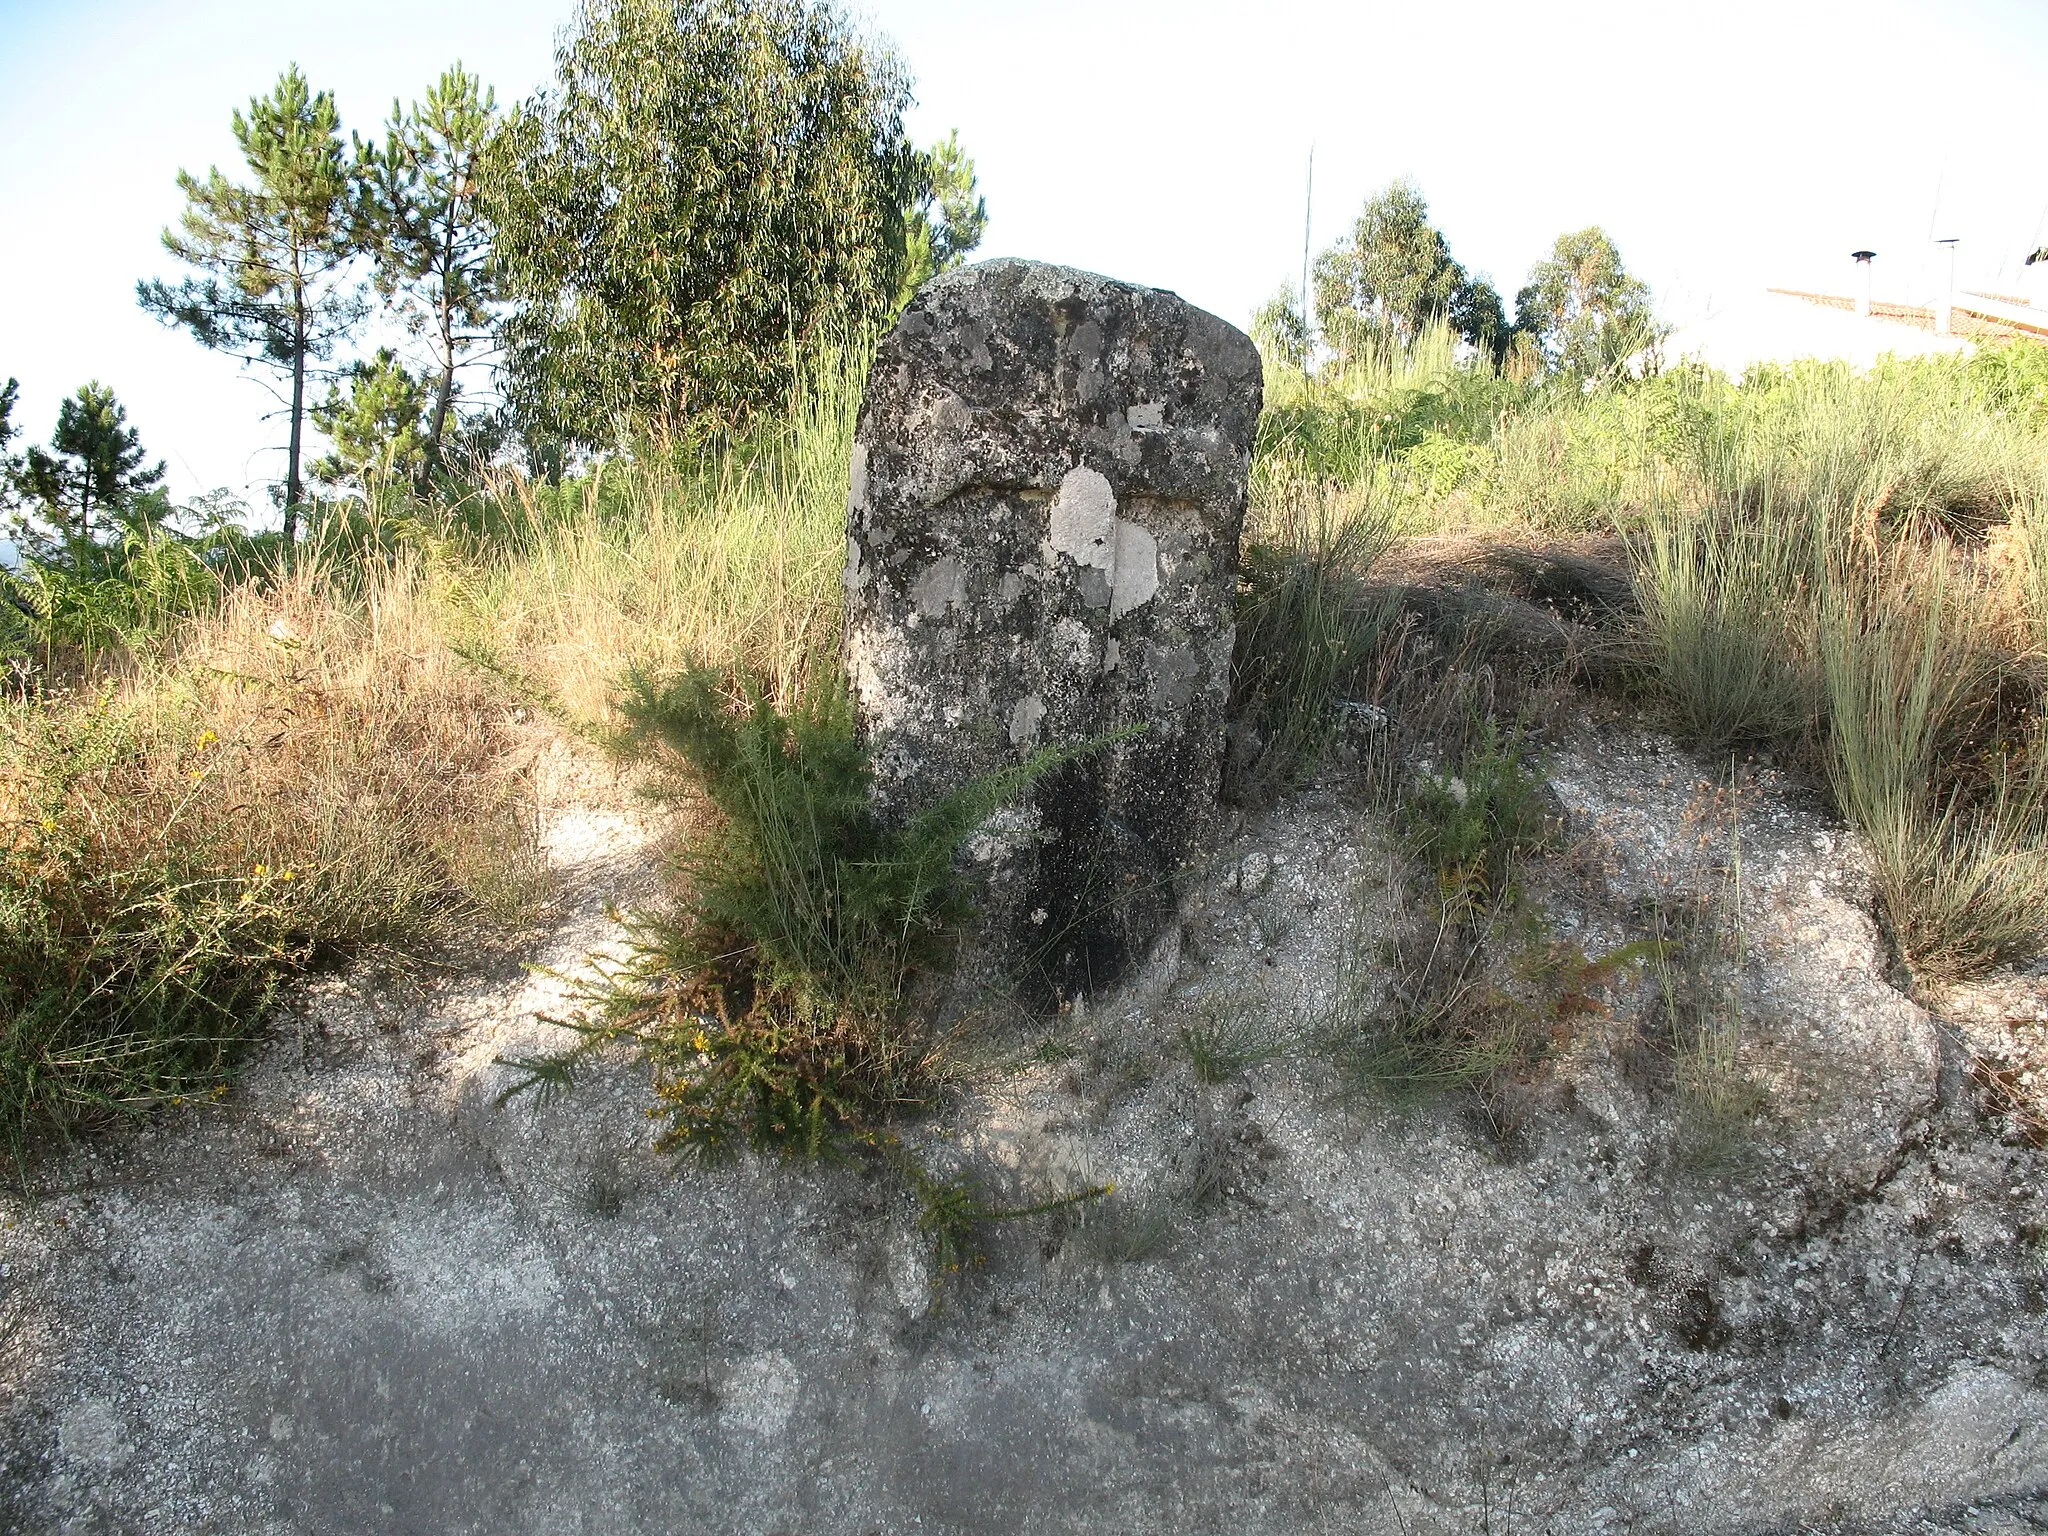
1308 210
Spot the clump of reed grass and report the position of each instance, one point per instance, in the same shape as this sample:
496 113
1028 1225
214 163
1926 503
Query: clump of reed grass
1306 622
1962 866
1725 631
1888 657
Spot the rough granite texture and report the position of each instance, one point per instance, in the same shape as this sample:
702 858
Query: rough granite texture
1047 491
354 1297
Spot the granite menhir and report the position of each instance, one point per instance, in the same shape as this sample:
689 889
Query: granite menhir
1048 490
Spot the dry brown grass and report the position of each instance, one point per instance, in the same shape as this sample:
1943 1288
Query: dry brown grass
345 739
309 775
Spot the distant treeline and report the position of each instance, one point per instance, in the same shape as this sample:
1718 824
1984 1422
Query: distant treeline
1581 312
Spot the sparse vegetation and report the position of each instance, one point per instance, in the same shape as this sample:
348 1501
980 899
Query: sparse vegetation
772 996
1306 623
1124 1230
1225 1042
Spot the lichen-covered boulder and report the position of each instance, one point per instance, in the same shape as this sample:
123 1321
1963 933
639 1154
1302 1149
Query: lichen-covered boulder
1048 489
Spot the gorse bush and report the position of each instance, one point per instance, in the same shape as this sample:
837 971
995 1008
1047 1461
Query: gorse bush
1387 401
774 996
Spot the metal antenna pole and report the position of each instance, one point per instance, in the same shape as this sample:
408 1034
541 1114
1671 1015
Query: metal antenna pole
1308 209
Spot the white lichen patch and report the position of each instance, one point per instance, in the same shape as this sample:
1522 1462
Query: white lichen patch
942 586
1083 526
1134 578
1024 719
857 481
1073 643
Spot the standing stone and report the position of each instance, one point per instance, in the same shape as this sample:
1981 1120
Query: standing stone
1048 489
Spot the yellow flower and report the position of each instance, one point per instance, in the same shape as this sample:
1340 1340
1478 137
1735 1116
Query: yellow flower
198 774
260 871
207 738
285 874
49 825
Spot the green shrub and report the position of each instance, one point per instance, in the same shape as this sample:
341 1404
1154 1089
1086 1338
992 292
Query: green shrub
773 996
1341 425
1478 818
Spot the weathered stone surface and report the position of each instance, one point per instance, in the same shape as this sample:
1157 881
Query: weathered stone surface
353 1297
1047 492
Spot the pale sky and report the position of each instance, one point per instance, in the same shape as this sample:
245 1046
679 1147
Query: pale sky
1726 147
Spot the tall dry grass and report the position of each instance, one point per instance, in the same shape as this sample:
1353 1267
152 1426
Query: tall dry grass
305 775
1847 567
311 766
1822 611
729 556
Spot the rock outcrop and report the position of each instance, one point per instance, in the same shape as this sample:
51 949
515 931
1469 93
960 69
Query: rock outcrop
1047 492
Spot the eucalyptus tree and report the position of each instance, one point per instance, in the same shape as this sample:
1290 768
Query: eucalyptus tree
708 187
1282 331
1588 313
423 224
1395 276
273 255
94 467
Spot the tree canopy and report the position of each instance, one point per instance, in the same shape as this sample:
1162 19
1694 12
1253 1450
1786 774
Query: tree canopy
378 424
423 225
10 464
1585 310
946 218
1395 276
272 253
92 470
707 187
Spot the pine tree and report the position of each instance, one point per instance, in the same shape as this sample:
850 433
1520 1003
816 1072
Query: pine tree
95 467
274 255
425 228
10 465
376 426
946 217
